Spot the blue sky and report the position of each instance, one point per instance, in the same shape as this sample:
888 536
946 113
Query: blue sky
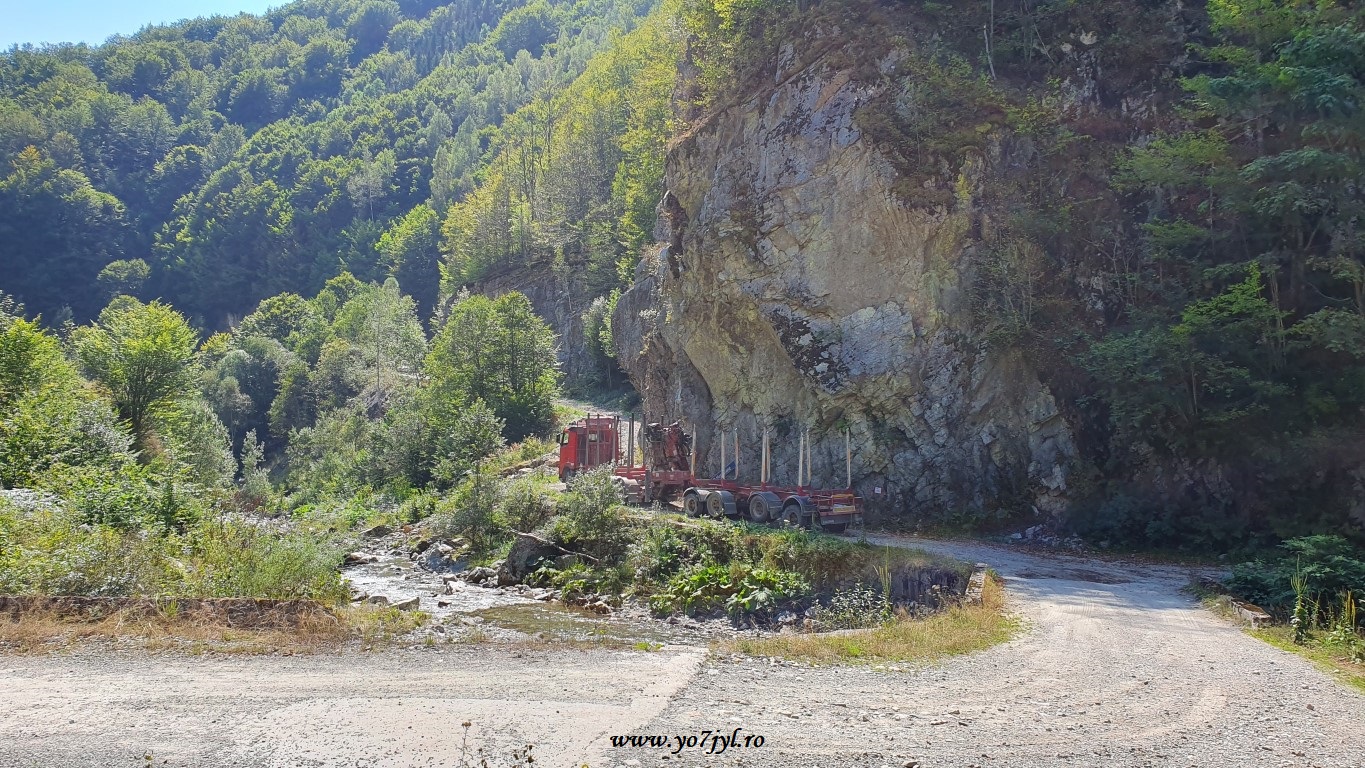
92 21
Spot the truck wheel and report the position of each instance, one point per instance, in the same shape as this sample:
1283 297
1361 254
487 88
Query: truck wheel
715 504
758 509
567 475
791 515
692 503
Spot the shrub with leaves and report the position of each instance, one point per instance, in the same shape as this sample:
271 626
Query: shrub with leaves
471 511
49 549
591 519
240 559
47 416
255 487
739 588
1328 565
526 504
858 607
461 438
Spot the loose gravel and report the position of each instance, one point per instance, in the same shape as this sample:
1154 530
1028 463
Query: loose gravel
1115 667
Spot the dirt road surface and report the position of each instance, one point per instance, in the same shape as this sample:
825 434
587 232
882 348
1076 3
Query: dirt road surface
1116 667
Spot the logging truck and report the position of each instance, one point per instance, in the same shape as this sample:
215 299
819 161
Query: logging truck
667 473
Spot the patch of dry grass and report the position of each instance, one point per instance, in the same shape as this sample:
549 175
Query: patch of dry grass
376 625
46 631
958 630
1333 660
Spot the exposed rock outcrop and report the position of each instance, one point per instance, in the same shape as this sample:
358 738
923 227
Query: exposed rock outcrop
795 287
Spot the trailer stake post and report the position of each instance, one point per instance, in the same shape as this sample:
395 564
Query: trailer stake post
848 458
722 454
809 468
763 471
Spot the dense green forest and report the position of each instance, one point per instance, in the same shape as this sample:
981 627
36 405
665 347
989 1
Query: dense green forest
304 194
217 162
132 426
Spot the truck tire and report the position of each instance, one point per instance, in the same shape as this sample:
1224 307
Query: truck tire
791 515
720 504
567 475
771 504
693 503
758 509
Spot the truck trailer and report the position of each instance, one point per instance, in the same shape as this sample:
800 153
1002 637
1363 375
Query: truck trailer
667 472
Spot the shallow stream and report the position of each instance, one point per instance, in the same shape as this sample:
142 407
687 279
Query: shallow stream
397 579
506 612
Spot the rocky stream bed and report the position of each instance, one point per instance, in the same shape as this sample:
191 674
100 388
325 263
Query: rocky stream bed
401 568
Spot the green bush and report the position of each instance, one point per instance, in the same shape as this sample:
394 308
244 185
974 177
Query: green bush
591 519
51 550
127 495
472 511
239 559
580 580
462 438
860 607
659 553
739 588
1329 565
47 416
46 549
526 505
418 506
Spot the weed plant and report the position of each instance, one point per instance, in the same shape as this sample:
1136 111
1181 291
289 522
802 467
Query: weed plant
49 549
856 608
957 630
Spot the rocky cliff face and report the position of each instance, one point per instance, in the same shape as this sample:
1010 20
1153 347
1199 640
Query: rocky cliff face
795 287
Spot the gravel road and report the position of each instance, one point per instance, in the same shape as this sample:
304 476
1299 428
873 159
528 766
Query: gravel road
1116 668
400 708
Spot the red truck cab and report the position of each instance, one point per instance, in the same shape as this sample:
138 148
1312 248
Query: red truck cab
588 443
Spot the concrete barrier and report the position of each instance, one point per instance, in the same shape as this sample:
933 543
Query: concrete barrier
976 585
1254 614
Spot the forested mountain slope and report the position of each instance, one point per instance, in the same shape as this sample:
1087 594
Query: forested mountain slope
1086 261
240 157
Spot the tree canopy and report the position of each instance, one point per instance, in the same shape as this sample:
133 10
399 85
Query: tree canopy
241 157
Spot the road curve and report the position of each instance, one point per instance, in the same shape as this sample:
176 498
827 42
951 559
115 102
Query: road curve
1116 667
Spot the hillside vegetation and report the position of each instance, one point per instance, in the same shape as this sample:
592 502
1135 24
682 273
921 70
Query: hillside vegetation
285 185
220 161
1172 239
